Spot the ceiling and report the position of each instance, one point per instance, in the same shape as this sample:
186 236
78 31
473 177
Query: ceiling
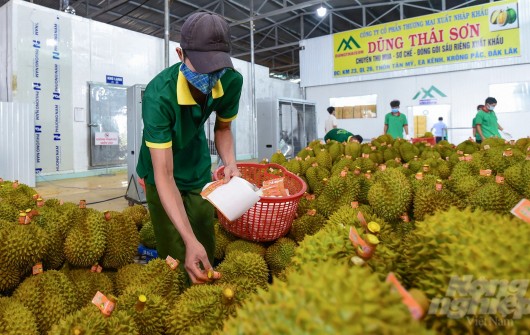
278 24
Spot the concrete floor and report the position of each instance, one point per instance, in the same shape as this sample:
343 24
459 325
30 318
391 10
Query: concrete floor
95 190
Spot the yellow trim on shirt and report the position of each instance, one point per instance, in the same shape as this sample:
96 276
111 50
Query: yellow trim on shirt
184 96
159 145
226 120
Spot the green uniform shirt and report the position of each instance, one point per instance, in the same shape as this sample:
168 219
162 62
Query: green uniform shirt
477 135
395 124
488 123
173 119
339 135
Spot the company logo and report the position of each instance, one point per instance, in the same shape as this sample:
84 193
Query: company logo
36 86
429 93
478 298
56 96
346 44
38 129
38 170
56 137
36 44
55 55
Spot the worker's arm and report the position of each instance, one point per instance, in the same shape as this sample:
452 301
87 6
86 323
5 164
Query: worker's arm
172 202
479 129
224 143
474 132
385 129
406 127
500 128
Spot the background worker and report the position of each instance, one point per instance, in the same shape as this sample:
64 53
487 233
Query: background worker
331 122
440 130
395 122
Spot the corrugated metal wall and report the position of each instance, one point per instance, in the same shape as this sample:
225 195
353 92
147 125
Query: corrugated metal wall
17 142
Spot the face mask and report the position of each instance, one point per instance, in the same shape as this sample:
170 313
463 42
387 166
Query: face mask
204 82
491 108
395 110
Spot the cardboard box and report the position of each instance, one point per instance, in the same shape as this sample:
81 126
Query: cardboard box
338 112
347 112
357 112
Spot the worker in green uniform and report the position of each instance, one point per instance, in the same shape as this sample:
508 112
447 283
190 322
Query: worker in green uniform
342 135
486 120
476 135
395 122
174 159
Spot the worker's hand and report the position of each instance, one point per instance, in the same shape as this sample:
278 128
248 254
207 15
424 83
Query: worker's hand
407 137
231 171
197 263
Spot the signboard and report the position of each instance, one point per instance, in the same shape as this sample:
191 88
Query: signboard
478 33
114 80
107 138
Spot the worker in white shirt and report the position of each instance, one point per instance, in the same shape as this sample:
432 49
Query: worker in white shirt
439 130
331 122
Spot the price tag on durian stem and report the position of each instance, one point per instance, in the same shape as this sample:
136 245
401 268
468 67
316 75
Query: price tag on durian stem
22 218
382 167
355 204
105 305
107 215
486 147
171 262
508 153
362 248
96 268
35 196
40 202
461 158
460 152
357 171
405 217
365 156
82 203
1 180
414 307
310 196
214 275
419 175
499 179
15 184
37 269
362 220
522 210
311 212
485 173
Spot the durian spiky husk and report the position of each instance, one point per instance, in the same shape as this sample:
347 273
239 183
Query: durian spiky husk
202 309
122 241
87 284
147 235
325 298
86 241
246 270
390 195
50 296
279 254
459 243
15 319
245 246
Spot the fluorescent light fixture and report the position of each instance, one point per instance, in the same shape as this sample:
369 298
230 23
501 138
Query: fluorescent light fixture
321 11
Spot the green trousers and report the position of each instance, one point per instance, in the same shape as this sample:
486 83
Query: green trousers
168 240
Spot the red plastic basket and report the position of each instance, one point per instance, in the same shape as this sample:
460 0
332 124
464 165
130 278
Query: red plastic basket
271 217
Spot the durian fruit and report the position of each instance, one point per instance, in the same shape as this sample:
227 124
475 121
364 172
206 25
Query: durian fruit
407 151
498 159
246 270
147 235
88 283
23 246
343 163
55 225
305 164
294 166
324 159
126 276
157 277
49 295
479 245
467 147
245 246
137 213
315 175
86 241
278 158
335 150
279 254
307 151
500 198
339 190
492 142
428 200
307 202
122 241
9 277
15 319
518 177
89 320
222 239
390 195
314 301
307 224
366 164
352 149
148 310
202 309
8 212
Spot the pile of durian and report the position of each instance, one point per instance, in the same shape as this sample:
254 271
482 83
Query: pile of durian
427 213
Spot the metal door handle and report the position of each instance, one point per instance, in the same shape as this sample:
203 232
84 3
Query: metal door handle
93 125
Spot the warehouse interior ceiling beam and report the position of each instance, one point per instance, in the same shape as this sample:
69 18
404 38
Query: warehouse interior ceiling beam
277 25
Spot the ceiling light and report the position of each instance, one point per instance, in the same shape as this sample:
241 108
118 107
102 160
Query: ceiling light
321 11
